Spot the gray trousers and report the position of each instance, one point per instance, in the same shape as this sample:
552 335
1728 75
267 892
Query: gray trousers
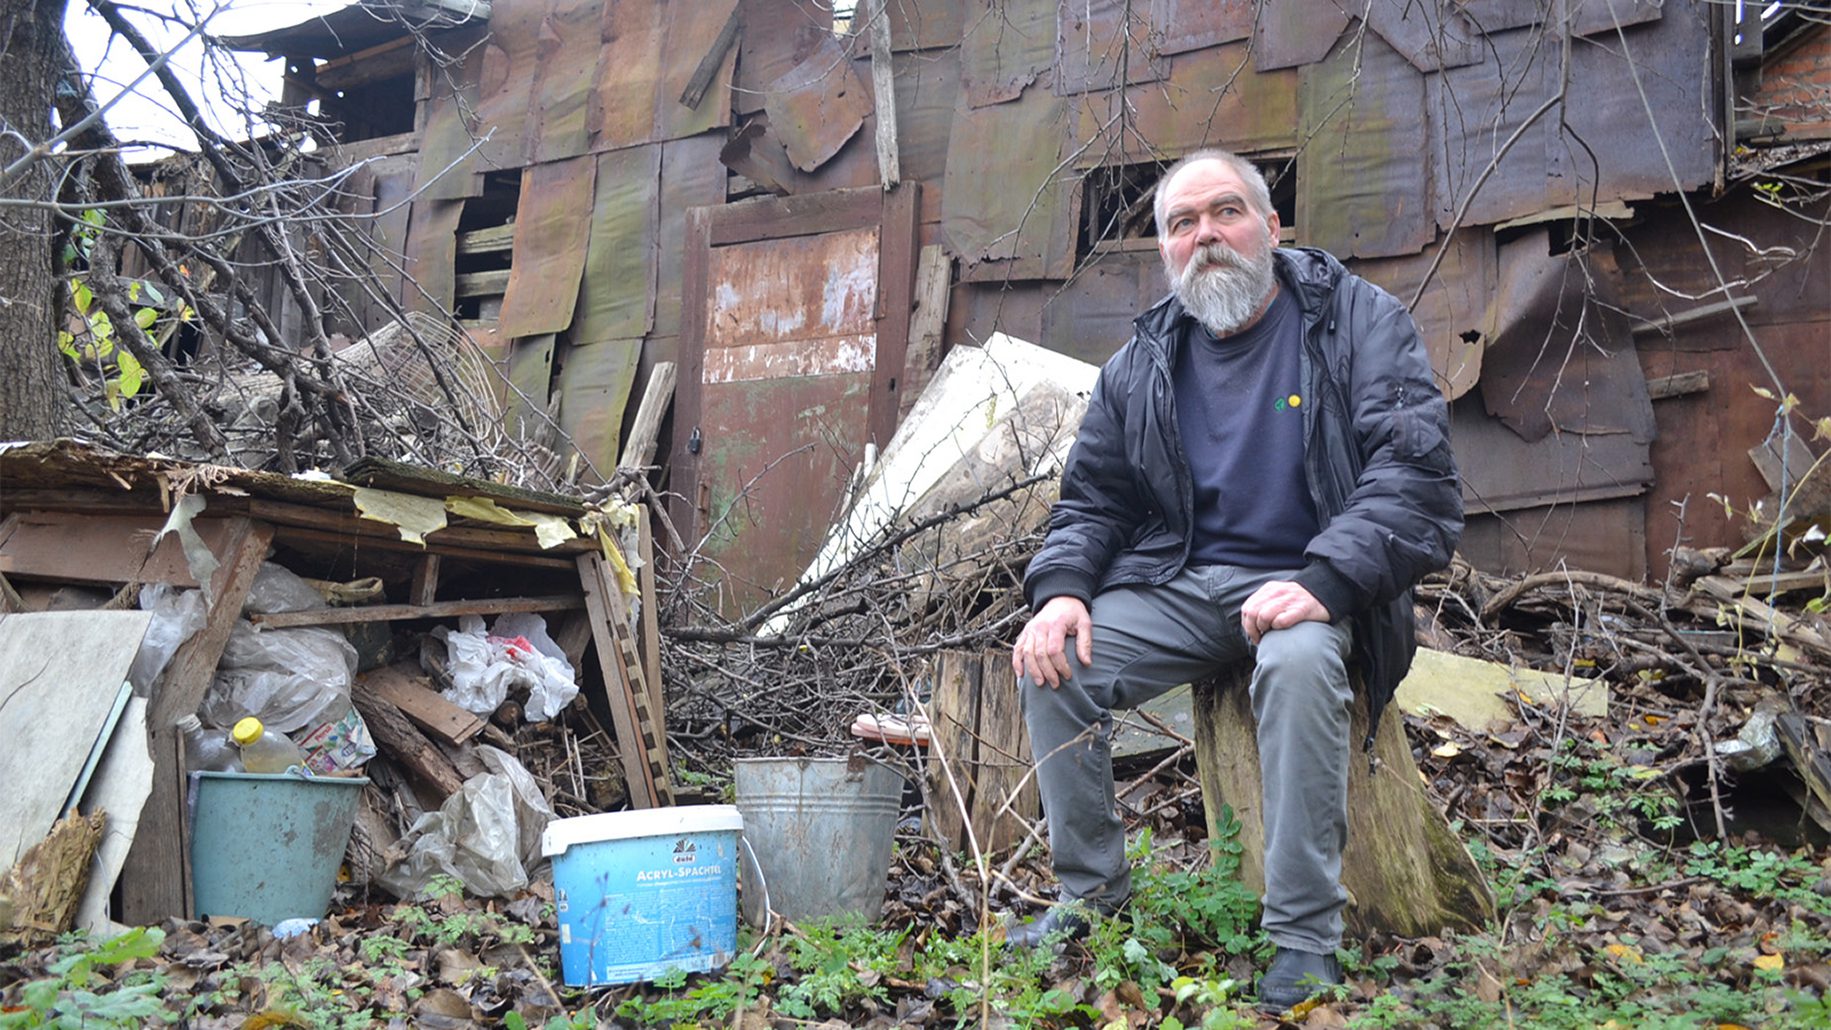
1149 639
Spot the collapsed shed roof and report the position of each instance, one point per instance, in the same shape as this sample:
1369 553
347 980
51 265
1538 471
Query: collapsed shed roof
362 25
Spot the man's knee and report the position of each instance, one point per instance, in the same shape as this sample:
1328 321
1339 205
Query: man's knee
1307 662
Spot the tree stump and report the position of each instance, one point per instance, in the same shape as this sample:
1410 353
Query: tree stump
978 725
1406 872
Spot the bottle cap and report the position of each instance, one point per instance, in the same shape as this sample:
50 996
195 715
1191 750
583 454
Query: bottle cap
248 731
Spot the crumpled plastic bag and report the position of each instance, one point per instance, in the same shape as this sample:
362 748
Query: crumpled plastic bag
277 589
517 654
487 834
287 678
177 614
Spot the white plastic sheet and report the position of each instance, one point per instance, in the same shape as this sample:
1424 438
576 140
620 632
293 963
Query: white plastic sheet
487 834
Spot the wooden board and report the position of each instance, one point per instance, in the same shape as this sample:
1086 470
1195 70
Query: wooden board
979 730
430 711
395 612
100 548
60 673
622 695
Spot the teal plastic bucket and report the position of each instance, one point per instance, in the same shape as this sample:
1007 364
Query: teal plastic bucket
640 893
820 832
267 848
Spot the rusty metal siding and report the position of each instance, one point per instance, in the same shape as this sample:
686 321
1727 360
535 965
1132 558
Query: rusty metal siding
1091 316
550 242
511 59
566 48
1431 34
628 74
594 389
1608 536
617 288
691 29
1474 110
1007 208
1451 312
817 105
690 177
1008 44
924 24
777 35
1184 25
1293 33
432 251
1212 98
1359 191
1101 44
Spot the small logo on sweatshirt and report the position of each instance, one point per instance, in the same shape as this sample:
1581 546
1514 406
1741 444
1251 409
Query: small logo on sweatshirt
1290 403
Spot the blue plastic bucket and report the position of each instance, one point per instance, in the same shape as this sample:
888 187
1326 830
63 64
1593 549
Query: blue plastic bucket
641 893
267 848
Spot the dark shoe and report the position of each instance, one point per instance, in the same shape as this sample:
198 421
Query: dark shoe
1295 977
1065 922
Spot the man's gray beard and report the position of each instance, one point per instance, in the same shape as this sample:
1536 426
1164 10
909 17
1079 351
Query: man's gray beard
1223 289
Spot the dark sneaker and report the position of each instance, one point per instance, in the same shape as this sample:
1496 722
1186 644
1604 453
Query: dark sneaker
1295 977
1064 922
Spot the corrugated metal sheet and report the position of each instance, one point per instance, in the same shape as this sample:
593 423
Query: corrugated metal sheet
1432 34
1474 110
1008 43
1212 98
629 73
550 239
1292 33
1006 208
617 289
1559 355
1183 25
1450 314
506 89
1672 55
817 106
777 35
567 48
1359 191
690 177
432 251
692 28
1104 43
594 384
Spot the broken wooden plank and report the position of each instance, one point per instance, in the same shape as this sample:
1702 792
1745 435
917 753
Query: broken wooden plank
1476 693
1698 314
425 588
883 83
395 612
927 323
651 621
645 433
403 687
1760 615
403 742
713 59
1809 759
644 791
985 781
495 239
102 548
493 283
1683 384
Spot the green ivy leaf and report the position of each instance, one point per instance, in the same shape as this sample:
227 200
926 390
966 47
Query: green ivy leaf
67 344
82 295
132 374
153 294
145 317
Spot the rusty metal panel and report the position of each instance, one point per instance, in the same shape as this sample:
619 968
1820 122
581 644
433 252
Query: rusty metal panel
1008 43
692 28
1006 207
977 310
1212 98
691 176
925 24
1502 472
511 60
1292 33
530 383
446 137
1671 55
432 251
1450 314
800 288
777 35
594 384
1360 190
394 178
1101 44
817 106
549 254
629 73
1588 17
1179 26
617 289
1090 317
927 94
1431 34
1598 536
1475 109
1496 15
1559 354
567 49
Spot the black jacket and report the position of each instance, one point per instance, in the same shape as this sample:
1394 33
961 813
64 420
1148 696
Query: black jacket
1376 457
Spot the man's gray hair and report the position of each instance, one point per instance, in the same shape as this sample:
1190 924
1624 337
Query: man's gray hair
1257 193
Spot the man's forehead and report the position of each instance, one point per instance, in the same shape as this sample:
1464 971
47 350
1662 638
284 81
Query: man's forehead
1200 180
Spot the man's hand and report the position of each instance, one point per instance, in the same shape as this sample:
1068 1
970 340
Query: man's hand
1041 650
1279 604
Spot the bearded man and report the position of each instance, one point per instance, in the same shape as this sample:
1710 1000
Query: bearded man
1263 473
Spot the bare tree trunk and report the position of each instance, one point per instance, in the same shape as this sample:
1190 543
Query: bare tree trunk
32 400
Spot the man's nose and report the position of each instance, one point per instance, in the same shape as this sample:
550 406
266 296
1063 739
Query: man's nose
1207 231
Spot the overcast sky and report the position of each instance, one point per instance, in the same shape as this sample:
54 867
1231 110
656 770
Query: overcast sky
146 114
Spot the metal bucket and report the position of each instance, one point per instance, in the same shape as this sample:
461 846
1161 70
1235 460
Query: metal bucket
819 832
266 847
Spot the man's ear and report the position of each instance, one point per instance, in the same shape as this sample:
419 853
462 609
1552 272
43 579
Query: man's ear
1272 225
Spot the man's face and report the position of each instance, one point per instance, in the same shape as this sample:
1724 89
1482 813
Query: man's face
1216 248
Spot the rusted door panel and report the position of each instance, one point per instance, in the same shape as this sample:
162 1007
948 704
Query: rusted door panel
794 327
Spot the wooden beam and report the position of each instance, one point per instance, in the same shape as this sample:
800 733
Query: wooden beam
156 879
495 239
619 696
1673 321
481 284
404 743
651 620
425 587
399 612
1661 387
395 543
927 323
403 687
639 449
714 58
883 83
